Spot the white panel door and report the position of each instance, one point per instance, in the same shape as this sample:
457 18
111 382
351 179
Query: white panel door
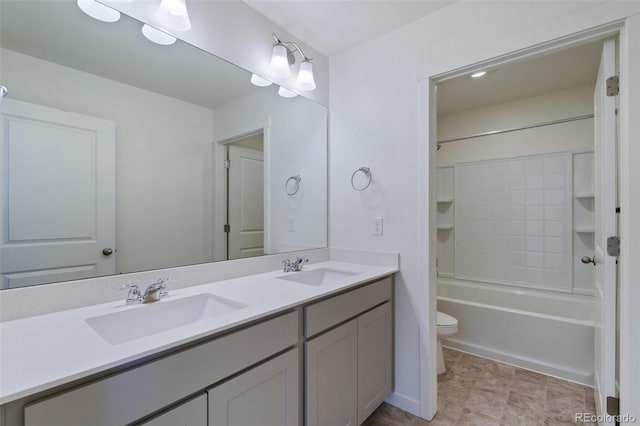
605 226
246 202
58 195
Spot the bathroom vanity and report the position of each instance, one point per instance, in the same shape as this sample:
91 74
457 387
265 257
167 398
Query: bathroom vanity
312 347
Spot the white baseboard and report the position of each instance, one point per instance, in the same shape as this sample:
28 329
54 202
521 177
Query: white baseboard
405 403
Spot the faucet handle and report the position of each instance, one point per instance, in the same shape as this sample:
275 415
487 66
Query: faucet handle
134 295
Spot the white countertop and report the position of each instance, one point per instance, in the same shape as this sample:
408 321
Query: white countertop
42 352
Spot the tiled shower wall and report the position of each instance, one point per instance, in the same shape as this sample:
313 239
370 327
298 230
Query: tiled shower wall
513 221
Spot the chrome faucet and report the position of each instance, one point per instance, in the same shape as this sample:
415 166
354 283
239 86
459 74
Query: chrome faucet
296 266
299 263
154 291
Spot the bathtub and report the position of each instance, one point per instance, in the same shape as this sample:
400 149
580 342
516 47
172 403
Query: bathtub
540 331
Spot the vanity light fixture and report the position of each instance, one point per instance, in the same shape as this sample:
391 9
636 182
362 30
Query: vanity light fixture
259 81
286 93
478 74
173 15
283 56
98 11
3 93
157 36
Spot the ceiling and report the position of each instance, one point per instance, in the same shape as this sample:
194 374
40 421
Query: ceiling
59 32
557 71
333 26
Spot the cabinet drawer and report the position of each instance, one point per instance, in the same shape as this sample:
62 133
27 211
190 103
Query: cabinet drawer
327 313
133 394
191 413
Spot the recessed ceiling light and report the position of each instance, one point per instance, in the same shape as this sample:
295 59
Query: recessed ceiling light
478 74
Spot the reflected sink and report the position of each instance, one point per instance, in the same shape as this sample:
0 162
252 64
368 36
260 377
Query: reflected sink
317 277
148 319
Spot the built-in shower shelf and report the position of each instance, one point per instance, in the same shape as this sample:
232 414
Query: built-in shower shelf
585 229
445 200
445 227
584 195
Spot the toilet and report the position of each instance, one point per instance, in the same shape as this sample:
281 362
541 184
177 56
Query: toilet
447 326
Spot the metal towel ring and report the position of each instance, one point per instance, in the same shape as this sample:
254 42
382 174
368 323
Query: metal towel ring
367 173
296 179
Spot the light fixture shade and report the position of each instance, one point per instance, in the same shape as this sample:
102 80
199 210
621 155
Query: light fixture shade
280 62
305 76
173 15
286 93
157 36
98 11
259 81
478 74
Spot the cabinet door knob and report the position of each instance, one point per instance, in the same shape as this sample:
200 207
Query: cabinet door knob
586 260
107 251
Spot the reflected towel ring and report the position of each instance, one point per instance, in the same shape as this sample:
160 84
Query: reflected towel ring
367 172
296 179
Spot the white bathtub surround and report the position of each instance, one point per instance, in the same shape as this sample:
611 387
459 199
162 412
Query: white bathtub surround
35 352
545 332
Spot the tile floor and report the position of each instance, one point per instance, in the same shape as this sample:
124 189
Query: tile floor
479 392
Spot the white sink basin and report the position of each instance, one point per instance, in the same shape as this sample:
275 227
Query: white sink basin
148 319
317 277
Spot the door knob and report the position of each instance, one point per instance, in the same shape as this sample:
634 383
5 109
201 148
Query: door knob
107 251
586 260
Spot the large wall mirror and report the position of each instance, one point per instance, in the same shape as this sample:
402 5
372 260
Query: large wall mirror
121 155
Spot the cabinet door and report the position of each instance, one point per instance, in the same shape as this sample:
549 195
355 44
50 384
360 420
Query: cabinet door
266 395
332 379
375 359
191 413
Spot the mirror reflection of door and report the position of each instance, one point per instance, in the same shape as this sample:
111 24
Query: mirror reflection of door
58 194
245 197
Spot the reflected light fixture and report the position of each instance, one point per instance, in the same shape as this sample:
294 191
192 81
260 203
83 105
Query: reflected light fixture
478 74
98 11
256 80
283 56
173 15
157 36
286 93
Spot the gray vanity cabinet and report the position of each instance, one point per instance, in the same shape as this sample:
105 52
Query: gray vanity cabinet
349 367
266 395
332 374
191 413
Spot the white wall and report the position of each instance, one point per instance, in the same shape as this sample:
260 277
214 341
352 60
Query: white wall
163 160
380 118
295 144
237 33
576 136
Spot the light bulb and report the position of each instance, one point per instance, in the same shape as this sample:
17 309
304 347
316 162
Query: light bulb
173 15
280 62
157 36
98 11
286 93
305 76
259 81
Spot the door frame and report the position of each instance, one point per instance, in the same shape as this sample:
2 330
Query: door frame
628 32
219 188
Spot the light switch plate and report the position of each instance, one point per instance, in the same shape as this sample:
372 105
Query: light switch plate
291 224
377 226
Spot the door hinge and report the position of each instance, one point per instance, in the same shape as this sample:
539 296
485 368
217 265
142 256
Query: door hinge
227 164
613 406
613 246
227 228
613 86
617 209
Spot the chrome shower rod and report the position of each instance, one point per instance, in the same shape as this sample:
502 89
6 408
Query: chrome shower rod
532 126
